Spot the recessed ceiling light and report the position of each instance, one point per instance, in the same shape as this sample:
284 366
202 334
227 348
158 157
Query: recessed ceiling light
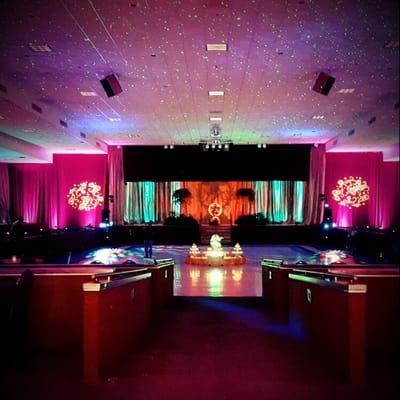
217 47
318 117
28 130
40 48
215 92
347 90
114 119
87 94
215 118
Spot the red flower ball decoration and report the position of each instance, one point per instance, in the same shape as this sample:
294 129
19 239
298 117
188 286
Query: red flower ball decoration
85 196
351 192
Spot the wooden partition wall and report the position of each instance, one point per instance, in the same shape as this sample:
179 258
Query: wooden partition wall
334 318
99 312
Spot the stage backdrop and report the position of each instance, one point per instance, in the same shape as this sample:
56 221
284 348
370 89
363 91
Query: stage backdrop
74 169
381 209
278 201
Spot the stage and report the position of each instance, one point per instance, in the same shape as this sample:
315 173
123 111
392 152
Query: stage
203 280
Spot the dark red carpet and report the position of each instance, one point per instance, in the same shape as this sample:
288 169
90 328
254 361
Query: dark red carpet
201 348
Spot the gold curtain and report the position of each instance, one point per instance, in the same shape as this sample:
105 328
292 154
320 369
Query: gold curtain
223 193
313 206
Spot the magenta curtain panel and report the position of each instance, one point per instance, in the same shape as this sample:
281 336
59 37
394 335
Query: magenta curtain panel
4 193
116 184
34 193
76 169
389 207
381 209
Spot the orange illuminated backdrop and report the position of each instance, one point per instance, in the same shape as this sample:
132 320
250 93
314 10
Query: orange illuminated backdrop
223 193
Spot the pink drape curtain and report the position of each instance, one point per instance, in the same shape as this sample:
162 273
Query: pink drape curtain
34 190
381 210
313 207
116 184
389 216
75 169
4 193
39 191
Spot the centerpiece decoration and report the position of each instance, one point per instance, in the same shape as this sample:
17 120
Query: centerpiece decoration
215 254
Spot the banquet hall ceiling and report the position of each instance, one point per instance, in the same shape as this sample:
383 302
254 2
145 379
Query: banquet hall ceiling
157 50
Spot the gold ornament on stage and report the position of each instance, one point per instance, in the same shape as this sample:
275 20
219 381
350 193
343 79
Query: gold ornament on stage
215 210
194 250
215 255
351 192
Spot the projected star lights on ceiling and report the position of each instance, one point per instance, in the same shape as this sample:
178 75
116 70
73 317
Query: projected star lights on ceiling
262 58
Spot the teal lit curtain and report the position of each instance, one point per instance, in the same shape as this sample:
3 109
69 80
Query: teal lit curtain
279 210
175 207
299 202
140 202
148 190
280 201
150 201
164 200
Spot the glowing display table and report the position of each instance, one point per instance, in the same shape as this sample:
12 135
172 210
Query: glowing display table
215 261
215 256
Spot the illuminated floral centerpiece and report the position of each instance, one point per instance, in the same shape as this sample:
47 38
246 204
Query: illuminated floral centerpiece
216 247
215 254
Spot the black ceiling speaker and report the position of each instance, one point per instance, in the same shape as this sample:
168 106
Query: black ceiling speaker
324 83
111 85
